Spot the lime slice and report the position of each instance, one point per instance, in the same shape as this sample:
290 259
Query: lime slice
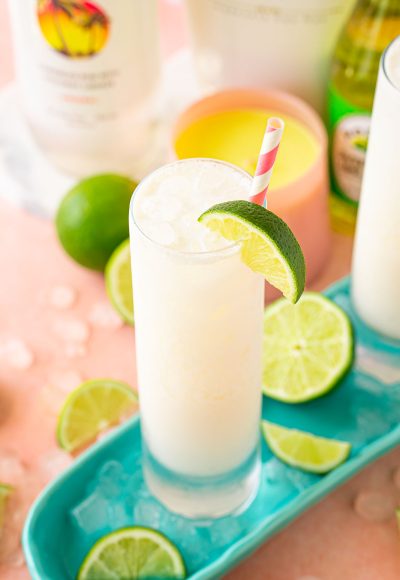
268 245
132 553
5 492
91 408
304 450
119 281
308 348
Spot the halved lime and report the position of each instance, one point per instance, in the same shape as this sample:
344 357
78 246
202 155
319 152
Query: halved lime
304 450
308 348
91 408
132 553
119 281
5 492
268 246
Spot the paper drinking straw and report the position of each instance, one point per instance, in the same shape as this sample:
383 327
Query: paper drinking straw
266 160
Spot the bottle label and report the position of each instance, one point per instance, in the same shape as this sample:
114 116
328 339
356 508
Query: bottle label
82 65
349 146
349 139
75 29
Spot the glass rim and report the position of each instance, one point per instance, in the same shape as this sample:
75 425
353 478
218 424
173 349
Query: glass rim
185 253
384 55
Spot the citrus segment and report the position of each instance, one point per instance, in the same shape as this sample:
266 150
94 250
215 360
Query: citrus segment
119 282
304 450
268 246
308 348
132 553
91 408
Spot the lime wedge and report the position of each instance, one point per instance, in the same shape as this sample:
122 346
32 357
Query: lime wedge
304 450
132 553
91 408
268 246
5 492
119 282
308 348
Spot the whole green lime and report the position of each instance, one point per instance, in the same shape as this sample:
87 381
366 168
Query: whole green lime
92 219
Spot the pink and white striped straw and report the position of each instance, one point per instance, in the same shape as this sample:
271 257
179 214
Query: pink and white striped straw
266 160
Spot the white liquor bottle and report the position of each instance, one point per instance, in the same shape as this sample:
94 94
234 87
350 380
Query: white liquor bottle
87 74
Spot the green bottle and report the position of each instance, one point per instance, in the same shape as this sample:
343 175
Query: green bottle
372 25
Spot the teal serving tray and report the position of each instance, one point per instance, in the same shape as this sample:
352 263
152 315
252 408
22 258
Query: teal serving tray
104 489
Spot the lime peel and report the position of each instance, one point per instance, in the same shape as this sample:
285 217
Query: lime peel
304 450
268 246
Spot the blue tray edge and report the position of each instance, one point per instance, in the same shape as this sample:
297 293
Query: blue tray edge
242 548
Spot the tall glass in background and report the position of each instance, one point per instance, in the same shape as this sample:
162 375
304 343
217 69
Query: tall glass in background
372 25
376 263
199 327
285 44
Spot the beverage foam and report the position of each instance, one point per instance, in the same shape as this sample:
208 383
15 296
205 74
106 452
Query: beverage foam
168 204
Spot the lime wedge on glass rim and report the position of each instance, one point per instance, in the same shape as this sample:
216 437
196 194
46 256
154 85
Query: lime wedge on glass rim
304 450
90 409
118 277
268 246
308 348
131 553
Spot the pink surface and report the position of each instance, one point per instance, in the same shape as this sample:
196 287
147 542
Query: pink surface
329 542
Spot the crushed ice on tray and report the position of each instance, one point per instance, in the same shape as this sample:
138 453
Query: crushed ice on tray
91 515
384 370
117 496
111 479
225 531
148 512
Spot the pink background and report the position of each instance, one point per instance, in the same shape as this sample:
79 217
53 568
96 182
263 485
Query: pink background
329 542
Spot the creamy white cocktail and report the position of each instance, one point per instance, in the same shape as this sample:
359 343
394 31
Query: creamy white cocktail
376 264
198 320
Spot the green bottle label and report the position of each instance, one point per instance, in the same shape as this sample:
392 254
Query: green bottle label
349 129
